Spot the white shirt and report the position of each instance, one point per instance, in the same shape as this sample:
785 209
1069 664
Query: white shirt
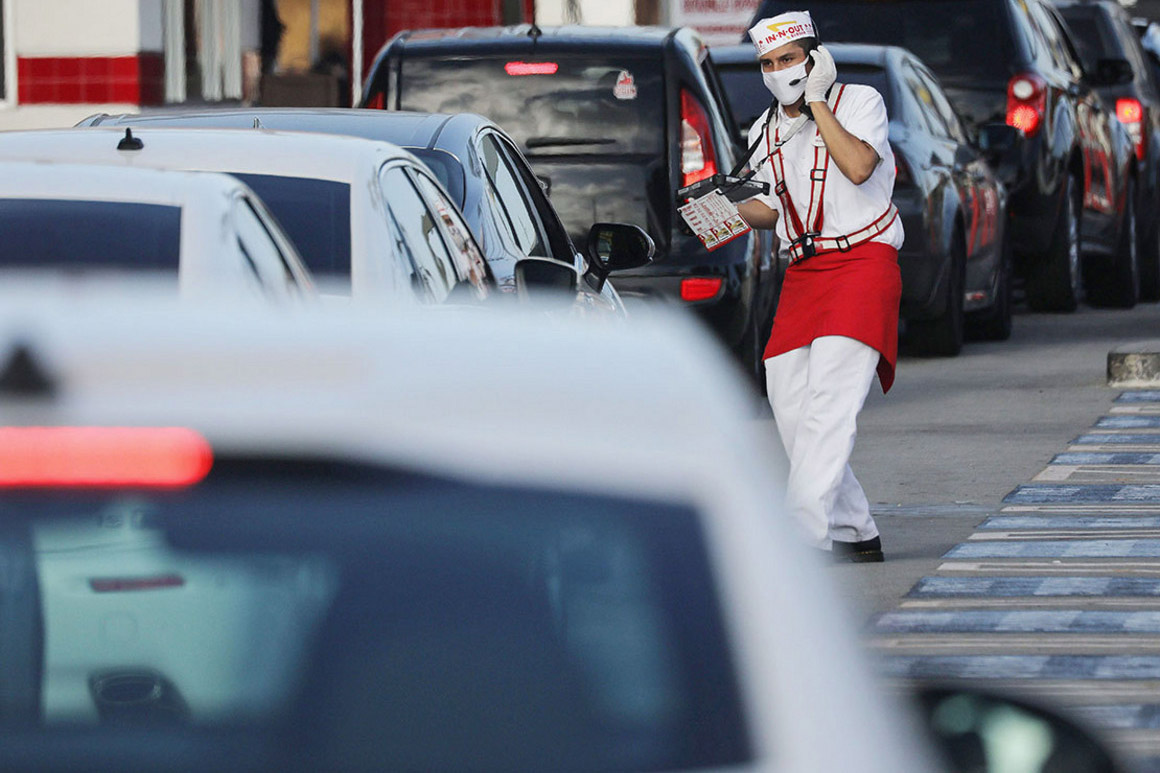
847 207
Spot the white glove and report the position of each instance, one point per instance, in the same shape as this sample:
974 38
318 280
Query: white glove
823 75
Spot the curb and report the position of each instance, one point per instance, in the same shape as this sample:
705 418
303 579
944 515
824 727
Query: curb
1135 365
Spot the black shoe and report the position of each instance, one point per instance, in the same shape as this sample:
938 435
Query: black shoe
865 552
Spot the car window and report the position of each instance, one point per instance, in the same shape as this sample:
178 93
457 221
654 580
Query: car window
315 215
521 219
947 115
79 235
923 101
557 235
380 615
468 259
258 247
434 273
447 170
566 105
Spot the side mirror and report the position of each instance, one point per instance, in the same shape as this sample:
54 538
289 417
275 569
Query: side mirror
981 730
617 247
1111 72
539 278
997 140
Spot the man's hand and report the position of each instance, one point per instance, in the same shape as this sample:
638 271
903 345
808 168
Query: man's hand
822 76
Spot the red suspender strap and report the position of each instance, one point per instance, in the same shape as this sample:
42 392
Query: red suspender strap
793 225
815 219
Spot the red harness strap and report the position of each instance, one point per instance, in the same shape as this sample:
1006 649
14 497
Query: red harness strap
815 211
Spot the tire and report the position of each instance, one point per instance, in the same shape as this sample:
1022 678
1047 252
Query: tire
943 335
1053 281
1150 264
995 323
1118 285
750 350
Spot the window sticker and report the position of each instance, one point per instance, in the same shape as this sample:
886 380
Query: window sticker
625 87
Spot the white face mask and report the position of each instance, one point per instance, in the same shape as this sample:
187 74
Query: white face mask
787 86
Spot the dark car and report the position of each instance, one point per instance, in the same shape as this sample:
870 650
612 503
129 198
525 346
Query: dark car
1105 39
1008 61
487 178
614 121
954 265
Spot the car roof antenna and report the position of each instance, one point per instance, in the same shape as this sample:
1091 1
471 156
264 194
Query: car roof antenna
534 31
258 123
23 375
129 142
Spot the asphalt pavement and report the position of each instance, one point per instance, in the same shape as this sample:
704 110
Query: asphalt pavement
1018 498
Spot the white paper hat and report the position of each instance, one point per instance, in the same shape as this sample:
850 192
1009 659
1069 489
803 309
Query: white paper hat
776 31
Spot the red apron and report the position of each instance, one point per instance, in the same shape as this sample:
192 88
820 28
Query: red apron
853 294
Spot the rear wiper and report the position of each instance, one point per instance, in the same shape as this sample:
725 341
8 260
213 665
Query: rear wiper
547 142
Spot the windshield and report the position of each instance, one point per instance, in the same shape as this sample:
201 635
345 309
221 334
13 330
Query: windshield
424 623
562 106
315 214
79 235
945 34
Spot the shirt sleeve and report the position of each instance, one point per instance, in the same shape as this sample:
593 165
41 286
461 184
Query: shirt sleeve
862 112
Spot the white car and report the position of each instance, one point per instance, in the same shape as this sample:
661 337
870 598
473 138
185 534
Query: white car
337 545
208 231
367 218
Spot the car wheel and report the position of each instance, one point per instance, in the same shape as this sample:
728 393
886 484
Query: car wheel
1118 283
943 335
995 323
1053 281
1150 264
751 349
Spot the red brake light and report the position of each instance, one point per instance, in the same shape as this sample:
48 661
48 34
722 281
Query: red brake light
375 102
700 288
1026 102
1131 114
902 175
531 68
165 457
698 159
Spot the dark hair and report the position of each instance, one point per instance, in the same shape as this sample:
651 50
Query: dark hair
807 45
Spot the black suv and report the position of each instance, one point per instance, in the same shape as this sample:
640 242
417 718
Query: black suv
1106 40
613 121
1009 61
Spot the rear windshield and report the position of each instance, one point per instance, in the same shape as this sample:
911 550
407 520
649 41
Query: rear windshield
964 39
1093 36
77 234
562 105
316 216
399 621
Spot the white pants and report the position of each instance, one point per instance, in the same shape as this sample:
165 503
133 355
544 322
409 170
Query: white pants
816 393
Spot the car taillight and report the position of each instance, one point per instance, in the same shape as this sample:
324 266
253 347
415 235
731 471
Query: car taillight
1131 115
1026 102
902 175
698 159
375 102
51 457
700 288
